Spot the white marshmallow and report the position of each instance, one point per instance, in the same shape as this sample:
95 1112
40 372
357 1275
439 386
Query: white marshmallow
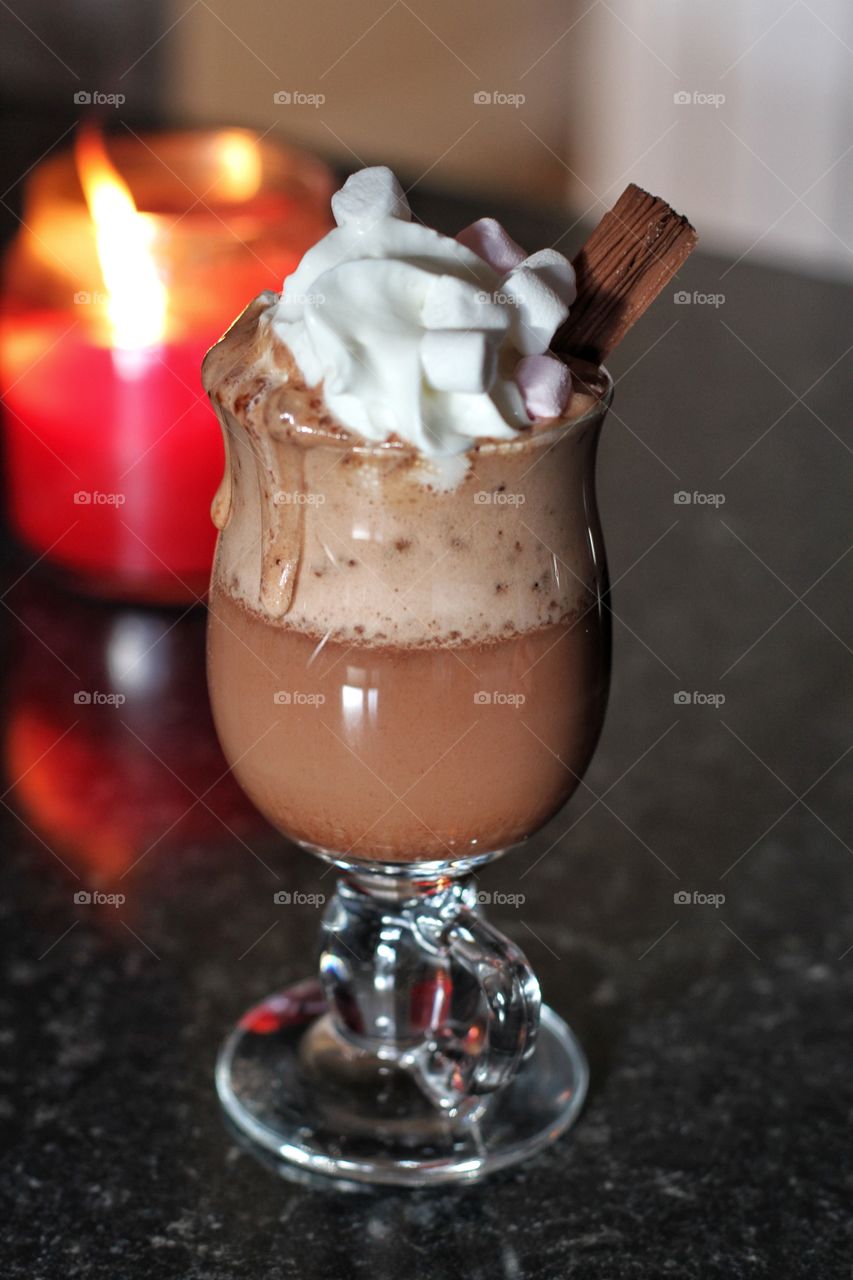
545 384
451 303
459 361
556 271
538 311
488 239
369 195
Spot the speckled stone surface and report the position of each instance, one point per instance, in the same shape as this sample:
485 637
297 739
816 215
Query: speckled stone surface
715 1139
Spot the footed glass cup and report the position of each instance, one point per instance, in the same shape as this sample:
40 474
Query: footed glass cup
408 673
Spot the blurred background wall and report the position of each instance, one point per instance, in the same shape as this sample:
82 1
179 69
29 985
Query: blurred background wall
741 113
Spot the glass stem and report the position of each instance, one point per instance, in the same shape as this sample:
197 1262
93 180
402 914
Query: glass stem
414 975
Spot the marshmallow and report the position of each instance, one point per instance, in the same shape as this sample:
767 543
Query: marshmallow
555 271
459 361
487 238
538 311
369 195
451 303
545 384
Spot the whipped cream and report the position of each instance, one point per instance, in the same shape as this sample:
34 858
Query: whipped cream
421 336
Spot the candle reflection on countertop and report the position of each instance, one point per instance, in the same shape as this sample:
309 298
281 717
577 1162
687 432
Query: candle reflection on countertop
109 749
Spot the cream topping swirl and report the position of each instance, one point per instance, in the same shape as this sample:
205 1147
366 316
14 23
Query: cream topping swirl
411 332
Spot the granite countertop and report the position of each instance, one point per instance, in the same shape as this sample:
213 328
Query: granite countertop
714 1140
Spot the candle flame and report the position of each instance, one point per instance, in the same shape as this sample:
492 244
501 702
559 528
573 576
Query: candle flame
137 299
242 168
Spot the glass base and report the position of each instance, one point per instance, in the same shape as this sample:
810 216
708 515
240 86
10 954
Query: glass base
296 1088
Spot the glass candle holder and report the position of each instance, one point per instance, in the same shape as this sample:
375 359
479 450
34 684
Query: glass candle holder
111 455
408 680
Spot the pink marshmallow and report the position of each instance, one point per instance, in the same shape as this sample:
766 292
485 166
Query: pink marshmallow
545 384
487 238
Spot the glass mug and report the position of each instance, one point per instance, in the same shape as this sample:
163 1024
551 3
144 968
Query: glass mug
408 677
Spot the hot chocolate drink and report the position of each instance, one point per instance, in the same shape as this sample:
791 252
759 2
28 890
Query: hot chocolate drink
401 668
408 658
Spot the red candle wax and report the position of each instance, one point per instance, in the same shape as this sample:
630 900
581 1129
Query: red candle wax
110 457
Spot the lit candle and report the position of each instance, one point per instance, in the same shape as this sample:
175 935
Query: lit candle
113 454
